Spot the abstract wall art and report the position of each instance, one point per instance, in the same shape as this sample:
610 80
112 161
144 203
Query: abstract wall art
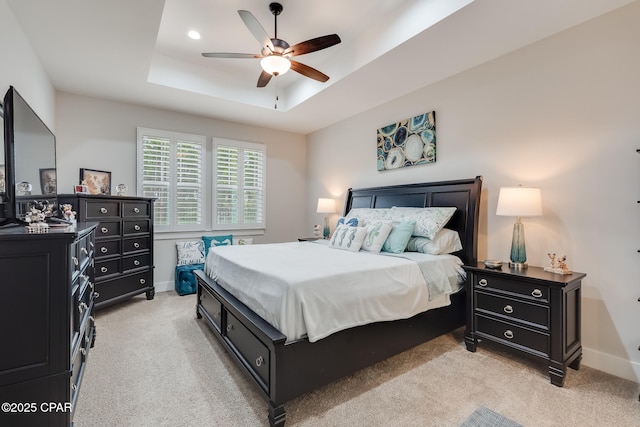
409 142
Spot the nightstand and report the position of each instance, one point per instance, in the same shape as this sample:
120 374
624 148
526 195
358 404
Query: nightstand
529 310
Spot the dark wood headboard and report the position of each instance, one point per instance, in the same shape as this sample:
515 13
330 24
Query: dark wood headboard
464 194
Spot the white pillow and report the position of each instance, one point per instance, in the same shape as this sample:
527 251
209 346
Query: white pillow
190 252
368 214
377 233
348 238
428 220
446 242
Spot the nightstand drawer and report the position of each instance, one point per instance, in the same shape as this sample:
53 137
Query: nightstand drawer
535 314
514 335
523 289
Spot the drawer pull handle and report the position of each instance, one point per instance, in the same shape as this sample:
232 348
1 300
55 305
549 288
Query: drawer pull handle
104 250
103 210
136 210
217 315
142 281
93 319
104 269
136 227
259 361
508 334
82 307
136 245
229 328
96 295
483 282
136 262
75 260
91 244
84 351
74 387
91 285
536 293
508 309
83 249
104 230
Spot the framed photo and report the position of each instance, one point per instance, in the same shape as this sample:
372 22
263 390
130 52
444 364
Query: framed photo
97 182
48 182
81 189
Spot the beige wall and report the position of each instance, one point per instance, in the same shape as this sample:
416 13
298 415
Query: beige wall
100 134
561 114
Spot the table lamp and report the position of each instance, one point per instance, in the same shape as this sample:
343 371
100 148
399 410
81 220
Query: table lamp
326 206
519 202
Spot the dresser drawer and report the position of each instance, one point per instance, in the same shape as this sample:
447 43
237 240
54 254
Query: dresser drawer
99 209
516 336
254 353
513 309
105 248
123 286
135 227
530 291
136 209
135 261
108 229
107 268
212 307
136 244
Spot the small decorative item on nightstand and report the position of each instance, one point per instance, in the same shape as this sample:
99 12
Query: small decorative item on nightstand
557 265
317 230
326 206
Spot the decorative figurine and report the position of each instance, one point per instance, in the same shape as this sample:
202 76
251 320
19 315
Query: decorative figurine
317 230
68 212
35 219
557 265
121 190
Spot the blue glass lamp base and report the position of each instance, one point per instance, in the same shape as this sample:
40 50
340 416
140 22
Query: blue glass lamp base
518 250
326 230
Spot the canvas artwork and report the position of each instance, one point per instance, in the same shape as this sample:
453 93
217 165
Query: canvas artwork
409 142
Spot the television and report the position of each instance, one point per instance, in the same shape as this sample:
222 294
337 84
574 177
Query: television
30 175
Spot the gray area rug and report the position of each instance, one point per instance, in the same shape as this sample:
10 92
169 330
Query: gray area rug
485 417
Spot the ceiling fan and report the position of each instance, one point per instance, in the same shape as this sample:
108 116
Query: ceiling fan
276 53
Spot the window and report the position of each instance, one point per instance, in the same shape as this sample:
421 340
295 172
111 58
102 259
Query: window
239 185
172 169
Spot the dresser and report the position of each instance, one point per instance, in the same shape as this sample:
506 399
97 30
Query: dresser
46 322
529 310
124 244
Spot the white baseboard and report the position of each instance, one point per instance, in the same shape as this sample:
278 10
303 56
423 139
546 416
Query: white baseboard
164 286
610 364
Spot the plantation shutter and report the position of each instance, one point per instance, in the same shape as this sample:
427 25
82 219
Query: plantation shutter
156 176
189 159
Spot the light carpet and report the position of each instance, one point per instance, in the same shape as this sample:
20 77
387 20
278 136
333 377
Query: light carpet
155 364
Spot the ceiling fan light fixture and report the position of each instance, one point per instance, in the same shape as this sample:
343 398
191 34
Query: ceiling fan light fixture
275 65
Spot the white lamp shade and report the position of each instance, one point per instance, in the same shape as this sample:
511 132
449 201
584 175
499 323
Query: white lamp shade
275 65
519 201
326 206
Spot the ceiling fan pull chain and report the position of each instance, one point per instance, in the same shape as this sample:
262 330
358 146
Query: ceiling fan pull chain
276 106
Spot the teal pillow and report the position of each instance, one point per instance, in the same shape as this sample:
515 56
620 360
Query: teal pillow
399 237
216 241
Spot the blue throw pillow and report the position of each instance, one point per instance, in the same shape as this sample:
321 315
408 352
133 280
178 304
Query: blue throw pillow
351 222
399 237
216 241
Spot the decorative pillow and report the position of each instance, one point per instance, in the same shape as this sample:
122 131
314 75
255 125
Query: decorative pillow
190 252
351 222
348 238
216 241
368 214
399 237
446 242
428 220
377 233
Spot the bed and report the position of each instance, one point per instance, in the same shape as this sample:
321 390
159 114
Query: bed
283 368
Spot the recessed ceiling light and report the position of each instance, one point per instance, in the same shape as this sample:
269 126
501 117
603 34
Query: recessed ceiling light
194 35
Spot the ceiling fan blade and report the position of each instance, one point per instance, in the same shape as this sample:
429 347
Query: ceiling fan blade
230 55
313 45
256 29
307 71
263 79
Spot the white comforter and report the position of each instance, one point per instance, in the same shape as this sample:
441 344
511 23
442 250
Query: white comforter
308 289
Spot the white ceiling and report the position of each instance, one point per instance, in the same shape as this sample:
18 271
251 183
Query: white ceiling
137 50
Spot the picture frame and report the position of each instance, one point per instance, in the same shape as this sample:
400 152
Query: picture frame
81 189
96 181
48 181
